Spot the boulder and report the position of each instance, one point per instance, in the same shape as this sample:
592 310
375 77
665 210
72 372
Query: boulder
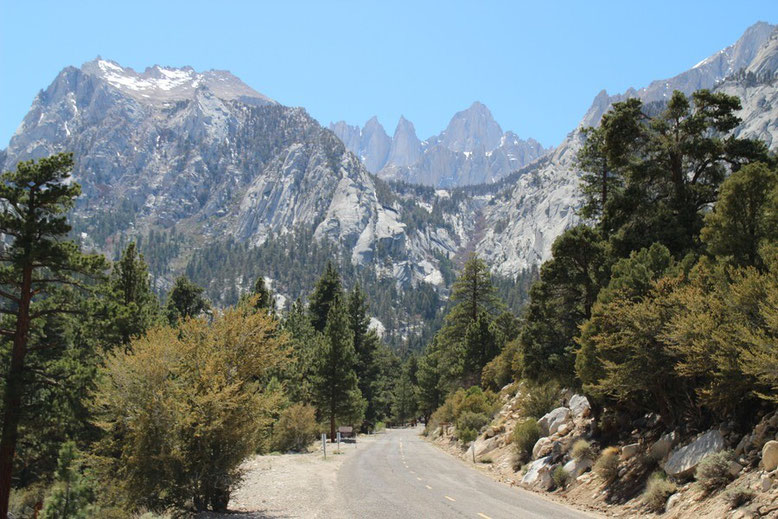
577 467
539 474
552 421
542 448
770 455
734 468
630 451
579 406
485 446
662 447
673 501
683 461
765 483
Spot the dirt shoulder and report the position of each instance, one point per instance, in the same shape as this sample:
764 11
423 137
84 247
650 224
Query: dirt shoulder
290 485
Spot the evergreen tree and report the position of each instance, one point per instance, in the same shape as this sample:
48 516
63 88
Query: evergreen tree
336 390
745 216
472 294
560 302
480 346
668 167
327 289
71 496
185 300
135 307
40 272
305 345
264 296
405 399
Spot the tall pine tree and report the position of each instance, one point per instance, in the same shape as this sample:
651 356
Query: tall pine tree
336 389
39 267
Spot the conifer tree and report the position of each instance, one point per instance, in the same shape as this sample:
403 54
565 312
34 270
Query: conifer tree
264 296
136 306
745 216
185 300
327 289
336 388
39 267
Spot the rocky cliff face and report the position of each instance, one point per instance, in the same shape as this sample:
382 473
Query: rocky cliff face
207 154
542 203
471 150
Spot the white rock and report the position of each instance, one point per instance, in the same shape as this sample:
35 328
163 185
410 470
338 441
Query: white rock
770 455
577 467
539 474
542 446
552 421
684 460
661 448
765 483
579 406
672 501
629 451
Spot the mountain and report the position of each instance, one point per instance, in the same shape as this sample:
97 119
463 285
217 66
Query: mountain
191 163
214 179
542 203
473 149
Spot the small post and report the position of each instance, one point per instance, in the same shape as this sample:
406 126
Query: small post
324 444
338 436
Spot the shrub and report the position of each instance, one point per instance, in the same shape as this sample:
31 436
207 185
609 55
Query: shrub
471 420
525 435
657 491
183 407
539 399
560 476
713 471
296 428
738 496
24 501
467 434
581 450
607 465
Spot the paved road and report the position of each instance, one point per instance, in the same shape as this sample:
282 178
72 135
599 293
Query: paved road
401 475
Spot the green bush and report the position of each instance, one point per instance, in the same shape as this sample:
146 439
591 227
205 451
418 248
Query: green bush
657 491
560 476
296 428
607 465
713 471
581 450
525 435
467 434
471 420
24 501
538 399
738 496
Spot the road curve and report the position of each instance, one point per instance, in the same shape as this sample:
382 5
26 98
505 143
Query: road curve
401 475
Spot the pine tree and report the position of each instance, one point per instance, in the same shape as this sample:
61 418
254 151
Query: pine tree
136 308
39 266
71 495
264 296
327 289
336 389
185 300
745 216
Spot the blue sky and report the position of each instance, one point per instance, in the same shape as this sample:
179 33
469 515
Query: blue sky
536 65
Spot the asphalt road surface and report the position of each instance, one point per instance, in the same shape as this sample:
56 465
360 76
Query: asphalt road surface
401 475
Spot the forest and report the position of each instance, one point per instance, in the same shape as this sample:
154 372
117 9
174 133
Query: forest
664 299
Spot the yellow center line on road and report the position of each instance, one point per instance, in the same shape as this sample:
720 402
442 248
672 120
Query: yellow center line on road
450 498
483 516
428 487
417 477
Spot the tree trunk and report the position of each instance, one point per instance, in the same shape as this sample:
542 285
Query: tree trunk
332 428
12 400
